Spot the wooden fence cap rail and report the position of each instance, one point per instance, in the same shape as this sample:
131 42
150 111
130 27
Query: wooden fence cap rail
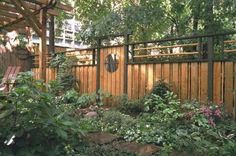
230 41
229 50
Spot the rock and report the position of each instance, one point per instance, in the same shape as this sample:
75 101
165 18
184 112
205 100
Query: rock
91 115
176 153
139 149
93 108
101 138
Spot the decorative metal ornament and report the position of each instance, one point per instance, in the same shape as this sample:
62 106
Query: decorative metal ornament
111 62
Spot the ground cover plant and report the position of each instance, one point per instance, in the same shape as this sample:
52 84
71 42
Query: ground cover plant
189 127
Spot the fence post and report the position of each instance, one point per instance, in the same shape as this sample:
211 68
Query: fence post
126 58
98 70
94 56
210 51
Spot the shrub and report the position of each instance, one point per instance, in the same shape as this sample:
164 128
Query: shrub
115 122
160 88
31 124
127 106
63 65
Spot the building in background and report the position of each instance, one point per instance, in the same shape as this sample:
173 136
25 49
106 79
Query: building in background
66 36
67 33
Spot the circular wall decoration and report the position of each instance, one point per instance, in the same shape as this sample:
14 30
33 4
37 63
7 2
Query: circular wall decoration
111 62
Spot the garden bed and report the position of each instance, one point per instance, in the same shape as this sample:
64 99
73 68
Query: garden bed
38 123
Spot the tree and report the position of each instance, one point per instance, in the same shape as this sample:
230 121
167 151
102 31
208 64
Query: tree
149 19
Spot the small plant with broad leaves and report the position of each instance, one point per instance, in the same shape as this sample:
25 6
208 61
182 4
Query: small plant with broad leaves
32 124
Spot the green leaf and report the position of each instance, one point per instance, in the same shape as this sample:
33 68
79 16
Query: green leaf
67 123
5 113
62 133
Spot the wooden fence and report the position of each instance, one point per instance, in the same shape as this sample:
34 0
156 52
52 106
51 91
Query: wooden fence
13 58
202 69
24 57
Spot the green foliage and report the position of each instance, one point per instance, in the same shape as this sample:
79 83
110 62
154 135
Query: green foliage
154 19
31 124
160 88
127 106
116 122
188 127
90 124
63 65
22 41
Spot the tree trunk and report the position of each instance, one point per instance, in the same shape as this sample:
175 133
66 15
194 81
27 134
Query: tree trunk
209 16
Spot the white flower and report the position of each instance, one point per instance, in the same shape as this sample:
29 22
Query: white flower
10 141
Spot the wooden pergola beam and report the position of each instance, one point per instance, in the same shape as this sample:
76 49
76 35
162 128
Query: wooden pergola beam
7 7
29 17
6 19
43 44
10 14
31 6
19 20
60 5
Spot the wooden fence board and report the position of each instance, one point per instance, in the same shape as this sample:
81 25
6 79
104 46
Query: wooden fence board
229 86
234 93
130 81
217 83
158 72
194 81
184 81
136 81
122 62
166 72
142 75
150 78
203 82
175 84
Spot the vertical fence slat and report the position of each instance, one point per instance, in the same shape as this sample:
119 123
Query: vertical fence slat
136 80
142 80
194 80
129 81
184 81
175 84
228 86
217 82
150 78
203 82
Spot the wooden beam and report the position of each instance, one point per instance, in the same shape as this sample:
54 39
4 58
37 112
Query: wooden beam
64 7
17 21
7 7
43 45
230 41
51 47
26 11
60 5
229 50
6 19
10 14
164 47
158 55
29 17
33 7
